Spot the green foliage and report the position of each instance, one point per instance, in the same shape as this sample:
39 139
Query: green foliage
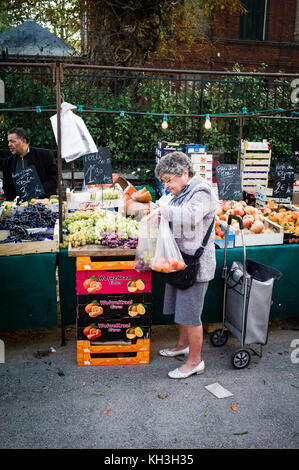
132 138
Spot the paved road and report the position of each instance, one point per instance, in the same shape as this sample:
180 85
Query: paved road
51 403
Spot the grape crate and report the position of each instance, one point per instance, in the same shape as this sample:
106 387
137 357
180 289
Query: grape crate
34 229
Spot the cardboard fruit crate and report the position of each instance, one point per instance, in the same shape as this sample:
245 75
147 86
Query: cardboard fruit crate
85 263
108 333
112 307
97 355
113 281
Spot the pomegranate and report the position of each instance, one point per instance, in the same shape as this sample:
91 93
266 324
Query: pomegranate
250 210
257 226
239 212
248 221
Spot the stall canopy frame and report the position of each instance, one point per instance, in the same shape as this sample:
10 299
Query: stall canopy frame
58 69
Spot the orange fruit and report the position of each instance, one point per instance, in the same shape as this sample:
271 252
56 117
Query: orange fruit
132 311
87 330
138 332
167 268
140 284
95 311
88 308
157 266
140 309
86 283
180 265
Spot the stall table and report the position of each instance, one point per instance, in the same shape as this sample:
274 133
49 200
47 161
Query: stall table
285 294
28 292
28 287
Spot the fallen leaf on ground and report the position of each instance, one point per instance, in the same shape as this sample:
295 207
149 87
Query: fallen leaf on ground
207 412
296 386
240 433
233 407
98 394
106 412
9 335
163 396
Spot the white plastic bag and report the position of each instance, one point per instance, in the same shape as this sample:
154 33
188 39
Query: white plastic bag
75 137
147 241
168 257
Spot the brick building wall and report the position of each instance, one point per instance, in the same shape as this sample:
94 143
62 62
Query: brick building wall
279 50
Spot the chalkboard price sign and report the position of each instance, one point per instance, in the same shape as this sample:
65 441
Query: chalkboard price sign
229 182
283 179
28 184
97 167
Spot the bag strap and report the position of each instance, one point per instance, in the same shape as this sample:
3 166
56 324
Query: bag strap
205 240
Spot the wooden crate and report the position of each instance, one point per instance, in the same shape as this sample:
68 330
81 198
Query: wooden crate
257 239
98 250
28 247
103 355
255 163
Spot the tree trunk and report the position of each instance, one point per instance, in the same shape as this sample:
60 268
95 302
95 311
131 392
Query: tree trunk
124 32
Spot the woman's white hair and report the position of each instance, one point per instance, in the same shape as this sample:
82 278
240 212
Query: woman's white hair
174 163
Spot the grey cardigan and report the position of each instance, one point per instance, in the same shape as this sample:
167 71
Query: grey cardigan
190 221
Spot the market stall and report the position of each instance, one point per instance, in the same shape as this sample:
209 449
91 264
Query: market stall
30 300
100 223
285 295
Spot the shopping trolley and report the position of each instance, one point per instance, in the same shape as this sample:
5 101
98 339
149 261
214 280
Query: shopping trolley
246 304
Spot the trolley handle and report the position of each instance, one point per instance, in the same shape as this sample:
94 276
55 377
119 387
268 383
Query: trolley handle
237 218
240 220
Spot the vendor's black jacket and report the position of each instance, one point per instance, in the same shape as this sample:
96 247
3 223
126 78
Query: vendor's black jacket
44 162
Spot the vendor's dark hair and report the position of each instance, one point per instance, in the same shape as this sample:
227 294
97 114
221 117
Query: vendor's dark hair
174 163
20 132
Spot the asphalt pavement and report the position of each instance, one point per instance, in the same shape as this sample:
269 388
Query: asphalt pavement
48 402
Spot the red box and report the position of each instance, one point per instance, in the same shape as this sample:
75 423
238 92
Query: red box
108 282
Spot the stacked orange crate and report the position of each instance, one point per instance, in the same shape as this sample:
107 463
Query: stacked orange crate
114 312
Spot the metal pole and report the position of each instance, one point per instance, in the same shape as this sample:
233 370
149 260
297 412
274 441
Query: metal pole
59 162
241 123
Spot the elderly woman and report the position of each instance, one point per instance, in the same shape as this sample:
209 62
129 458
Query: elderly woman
190 212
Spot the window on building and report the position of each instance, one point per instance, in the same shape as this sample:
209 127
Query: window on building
253 23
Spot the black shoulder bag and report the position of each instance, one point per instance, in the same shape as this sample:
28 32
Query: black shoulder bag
186 278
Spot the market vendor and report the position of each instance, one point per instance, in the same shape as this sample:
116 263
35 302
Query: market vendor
24 156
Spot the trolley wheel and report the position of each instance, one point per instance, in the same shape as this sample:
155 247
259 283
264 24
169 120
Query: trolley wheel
241 358
219 337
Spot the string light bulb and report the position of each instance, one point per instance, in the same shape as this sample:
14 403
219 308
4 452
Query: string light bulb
164 123
208 124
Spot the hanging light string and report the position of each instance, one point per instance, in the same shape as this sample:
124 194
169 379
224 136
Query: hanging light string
38 109
122 113
166 115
